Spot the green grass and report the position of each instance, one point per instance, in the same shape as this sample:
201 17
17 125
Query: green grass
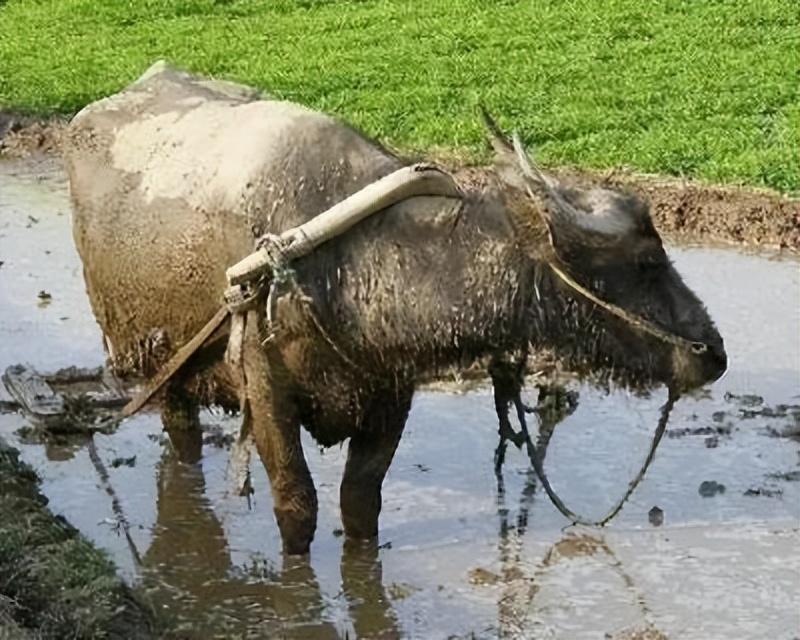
702 88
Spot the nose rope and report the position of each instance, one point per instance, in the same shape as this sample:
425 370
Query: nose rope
536 461
634 320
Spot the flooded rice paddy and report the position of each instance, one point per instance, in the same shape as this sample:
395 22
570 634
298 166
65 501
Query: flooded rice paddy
708 546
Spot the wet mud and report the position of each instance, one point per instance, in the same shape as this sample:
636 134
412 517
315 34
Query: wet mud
460 555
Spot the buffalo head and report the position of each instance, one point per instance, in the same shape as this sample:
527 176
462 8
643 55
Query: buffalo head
605 241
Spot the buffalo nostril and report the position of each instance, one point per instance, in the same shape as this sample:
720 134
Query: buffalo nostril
719 357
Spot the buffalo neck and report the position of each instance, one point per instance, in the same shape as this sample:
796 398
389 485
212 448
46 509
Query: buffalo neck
465 289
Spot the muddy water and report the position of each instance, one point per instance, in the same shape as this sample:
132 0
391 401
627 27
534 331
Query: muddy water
457 559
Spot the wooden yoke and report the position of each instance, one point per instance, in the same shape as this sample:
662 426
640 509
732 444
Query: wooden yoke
414 180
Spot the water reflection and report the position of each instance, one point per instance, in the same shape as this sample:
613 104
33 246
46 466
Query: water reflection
189 575
517 609
362 582
553 404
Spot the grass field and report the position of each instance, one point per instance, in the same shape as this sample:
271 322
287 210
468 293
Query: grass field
701 88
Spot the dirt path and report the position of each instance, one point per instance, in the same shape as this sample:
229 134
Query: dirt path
684 211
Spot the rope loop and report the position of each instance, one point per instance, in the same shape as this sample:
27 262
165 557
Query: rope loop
275 249
536 462
638 322
242 298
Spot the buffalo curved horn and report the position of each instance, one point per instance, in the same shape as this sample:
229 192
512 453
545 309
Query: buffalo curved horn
598 227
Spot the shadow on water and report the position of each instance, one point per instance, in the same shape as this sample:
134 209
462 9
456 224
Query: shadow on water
463 553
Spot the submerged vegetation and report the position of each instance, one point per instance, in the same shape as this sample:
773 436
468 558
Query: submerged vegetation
702 89
53 582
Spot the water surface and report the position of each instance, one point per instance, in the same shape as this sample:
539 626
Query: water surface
457 559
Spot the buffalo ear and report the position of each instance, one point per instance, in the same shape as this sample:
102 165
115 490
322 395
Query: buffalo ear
590 218
505 160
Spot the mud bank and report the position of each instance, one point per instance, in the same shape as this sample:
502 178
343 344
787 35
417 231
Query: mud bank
53 582
684 211
692 212
22 136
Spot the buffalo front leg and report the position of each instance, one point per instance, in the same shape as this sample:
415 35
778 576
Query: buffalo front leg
368 458
276 429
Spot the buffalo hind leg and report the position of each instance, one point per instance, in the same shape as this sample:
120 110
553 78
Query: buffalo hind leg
276 429
368 458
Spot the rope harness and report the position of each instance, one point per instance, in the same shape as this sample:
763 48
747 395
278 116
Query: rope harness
268 266
638 322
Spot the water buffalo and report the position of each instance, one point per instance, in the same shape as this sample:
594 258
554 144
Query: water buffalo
174 178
